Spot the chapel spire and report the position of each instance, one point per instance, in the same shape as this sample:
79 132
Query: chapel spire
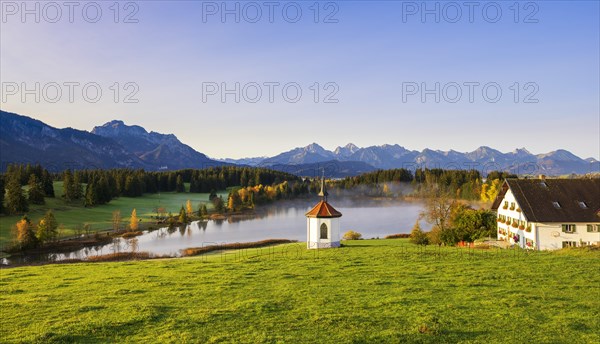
323 193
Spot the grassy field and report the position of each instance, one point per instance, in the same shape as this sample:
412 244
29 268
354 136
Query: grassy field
72 215
369 291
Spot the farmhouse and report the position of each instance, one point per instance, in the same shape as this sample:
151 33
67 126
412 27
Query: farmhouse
549 214
323 223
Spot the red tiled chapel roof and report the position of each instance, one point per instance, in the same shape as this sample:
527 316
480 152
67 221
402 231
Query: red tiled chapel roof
323 209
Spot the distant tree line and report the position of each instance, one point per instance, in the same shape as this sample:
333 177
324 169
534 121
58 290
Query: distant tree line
96 187
465 184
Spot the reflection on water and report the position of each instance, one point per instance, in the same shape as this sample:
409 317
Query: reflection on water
284 221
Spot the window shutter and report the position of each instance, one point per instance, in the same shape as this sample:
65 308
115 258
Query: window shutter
590 228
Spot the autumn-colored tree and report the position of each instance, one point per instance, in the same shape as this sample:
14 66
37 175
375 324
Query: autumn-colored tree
134 221
234 202
386 190
494 189
116 220
484 192
188 208
25 235
47 229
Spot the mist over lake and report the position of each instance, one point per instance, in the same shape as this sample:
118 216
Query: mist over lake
283 221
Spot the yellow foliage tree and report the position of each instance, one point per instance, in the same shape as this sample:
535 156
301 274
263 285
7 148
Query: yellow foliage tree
244 194
493 190
134 221
25 234
484 192
188 208
230 204
386 190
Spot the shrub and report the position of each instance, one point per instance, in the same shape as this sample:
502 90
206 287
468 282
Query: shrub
352 235
398 236
417 236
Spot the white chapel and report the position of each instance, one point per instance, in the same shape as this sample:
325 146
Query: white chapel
323 223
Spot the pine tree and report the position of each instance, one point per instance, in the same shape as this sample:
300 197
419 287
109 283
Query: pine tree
36 192
47 229
68 186
91 194
2 191
180 186
244 179
183 216
257 180
202 212
133 222
15 199
219 205
48 184
417 236
77 187
116 220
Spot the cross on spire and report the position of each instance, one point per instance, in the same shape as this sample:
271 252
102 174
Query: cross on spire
323 193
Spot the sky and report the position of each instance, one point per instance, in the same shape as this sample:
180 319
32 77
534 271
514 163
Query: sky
258 78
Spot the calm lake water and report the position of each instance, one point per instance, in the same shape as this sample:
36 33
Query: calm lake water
285 221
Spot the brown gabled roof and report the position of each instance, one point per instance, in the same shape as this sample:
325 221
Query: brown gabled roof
536 198
323 209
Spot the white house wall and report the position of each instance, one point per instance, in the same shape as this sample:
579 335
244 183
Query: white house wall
551 236
544 236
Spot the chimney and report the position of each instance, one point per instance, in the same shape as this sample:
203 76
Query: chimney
542 177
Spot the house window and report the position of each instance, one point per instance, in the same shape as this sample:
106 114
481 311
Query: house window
568 228
593 228
583 205
556 205
323 231
512 206
569 244
505 205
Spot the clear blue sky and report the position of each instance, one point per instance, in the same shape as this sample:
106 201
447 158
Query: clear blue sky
372 50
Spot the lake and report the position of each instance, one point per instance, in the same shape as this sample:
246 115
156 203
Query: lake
283 221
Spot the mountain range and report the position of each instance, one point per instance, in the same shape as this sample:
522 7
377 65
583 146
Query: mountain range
112 145
484 159
117 145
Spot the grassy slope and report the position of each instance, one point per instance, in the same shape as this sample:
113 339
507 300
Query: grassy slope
369 291
72 215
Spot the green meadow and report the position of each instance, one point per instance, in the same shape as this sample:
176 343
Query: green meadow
369 291
73 215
